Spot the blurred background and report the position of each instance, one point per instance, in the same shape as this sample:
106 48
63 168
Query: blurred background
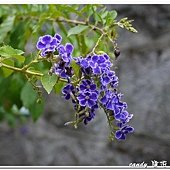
144 73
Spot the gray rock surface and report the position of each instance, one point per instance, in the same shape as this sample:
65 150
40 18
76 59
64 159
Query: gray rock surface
144 74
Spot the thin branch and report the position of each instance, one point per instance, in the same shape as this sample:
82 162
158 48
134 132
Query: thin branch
21 70
97 43
27 72
80 23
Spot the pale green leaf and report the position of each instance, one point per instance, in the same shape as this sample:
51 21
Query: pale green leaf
76 68
6 26
58 87
77 30
9 52
37 110
48 82
113 14
28 95
7 72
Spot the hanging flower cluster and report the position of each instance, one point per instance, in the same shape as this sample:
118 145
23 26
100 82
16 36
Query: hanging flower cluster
95 88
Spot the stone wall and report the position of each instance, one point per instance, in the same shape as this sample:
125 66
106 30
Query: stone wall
144 73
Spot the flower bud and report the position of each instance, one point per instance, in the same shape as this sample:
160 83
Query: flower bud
117 53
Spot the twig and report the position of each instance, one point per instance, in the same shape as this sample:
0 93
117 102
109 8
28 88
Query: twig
97 43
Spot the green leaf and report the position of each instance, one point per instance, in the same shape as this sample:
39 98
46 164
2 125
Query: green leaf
76 68
48 82
6 26
7 72
37 110
84 48
77 30
9 52
58 86
97 18
113 14
28 95
110 19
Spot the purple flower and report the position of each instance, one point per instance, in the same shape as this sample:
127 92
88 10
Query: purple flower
123 116
100 63
62 70
115 104
107 97
121 134
58 37
111 100
87 85
87 99
67 91
66 52
89 117
82 62
109 77
47 44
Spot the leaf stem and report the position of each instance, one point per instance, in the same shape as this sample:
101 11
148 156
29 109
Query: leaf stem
97 43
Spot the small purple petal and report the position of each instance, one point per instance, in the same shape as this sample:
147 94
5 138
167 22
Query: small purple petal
58 37
54 42
84 63
101 59
90 103
67 97
69 48
96 70
94 58
40 45
93 96
82 87
118 134
47 39
103 100
123 137
106 56
130 129
93 87
81 97
92 64
82 102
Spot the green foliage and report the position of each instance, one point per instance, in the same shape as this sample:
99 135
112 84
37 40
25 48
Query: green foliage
6 26
48 82
9 52
36 110
21 67
7 72
77 30
28 96
76 69
58 87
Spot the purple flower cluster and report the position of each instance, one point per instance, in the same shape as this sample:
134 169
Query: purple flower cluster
95 88
99 67
112 102
48 45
